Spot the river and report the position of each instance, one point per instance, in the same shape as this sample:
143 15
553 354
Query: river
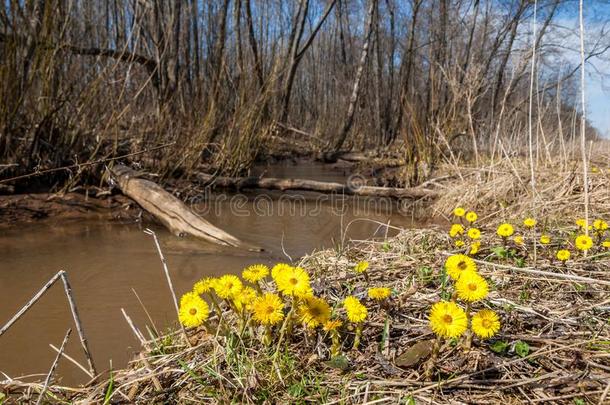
108 263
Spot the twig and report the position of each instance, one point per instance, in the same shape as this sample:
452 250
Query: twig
54 366
68 290
135 330
71 359
169 279
79 326
31 302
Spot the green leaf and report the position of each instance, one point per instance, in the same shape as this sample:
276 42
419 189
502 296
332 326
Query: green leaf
385 247
339 362
410 400
579 401
499 346
109 390
521 348
500 251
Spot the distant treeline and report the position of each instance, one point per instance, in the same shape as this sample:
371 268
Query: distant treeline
224 79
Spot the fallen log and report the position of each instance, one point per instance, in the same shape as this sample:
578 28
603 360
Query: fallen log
172 212
271 183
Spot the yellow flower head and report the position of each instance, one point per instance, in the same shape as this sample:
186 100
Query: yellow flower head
581 223
379 293
279 269
563 255
471 287
332 325
245 298
474 233
545 239
485 323
474 247
458 264
455 230
518 240
448 320
606 243
189 296
471 216
314 312
459 212
228 286
294 281
594 169
529 222
255 273
204 285
361 267
583 242
268 309
505 230
600 225
193 311
356 312
459 243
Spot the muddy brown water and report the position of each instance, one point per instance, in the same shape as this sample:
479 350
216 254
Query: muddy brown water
107 262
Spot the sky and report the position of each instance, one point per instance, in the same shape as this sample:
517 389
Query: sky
597 70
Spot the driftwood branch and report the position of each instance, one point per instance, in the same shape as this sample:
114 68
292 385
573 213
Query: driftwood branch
312 185
172 212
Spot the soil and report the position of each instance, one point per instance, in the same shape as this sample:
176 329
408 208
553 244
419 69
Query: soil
24 208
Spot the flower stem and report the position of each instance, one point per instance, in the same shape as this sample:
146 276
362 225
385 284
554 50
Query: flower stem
358 336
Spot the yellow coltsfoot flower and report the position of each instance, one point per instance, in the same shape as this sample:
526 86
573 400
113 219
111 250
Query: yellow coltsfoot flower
545 239
379 293
268 309
518 239
471 287
474 233
244 299
255 273
356 312
193 311
563 255
279 269
471 216
600 225
314 312
485 323
455 230
583 242
474 248
505 230
459 212
361 267
294 281
529 222
204 285
448 320
228 286
458 264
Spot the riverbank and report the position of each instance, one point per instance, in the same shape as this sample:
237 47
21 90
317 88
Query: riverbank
544 351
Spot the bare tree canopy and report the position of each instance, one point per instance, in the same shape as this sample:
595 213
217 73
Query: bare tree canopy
221 81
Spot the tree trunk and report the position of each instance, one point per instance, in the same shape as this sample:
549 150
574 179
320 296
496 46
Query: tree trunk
349 119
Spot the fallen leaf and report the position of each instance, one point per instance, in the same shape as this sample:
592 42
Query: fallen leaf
415 354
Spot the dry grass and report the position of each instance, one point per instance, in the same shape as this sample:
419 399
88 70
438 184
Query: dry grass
567 358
